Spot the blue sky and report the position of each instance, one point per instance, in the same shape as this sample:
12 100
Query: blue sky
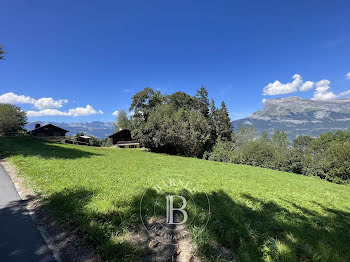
99 53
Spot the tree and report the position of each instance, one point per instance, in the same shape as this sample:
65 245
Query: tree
180 100
265 138
179 123
2 52
203 101
199 131
12 119
257 153
244 134
280 139
122 121
144 102
336 162
301 143
223 123
213 127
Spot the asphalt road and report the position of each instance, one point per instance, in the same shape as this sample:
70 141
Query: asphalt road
19 238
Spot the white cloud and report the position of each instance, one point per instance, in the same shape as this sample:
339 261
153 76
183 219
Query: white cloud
306 86
79 111
47 106
48 102
321 92
46 112
115 113
347 76
84 111
11 98
277 88
345 93
41 103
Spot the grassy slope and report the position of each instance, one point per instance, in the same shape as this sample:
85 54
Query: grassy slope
261 214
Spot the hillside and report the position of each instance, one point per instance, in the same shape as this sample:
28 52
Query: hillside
299 116
256 214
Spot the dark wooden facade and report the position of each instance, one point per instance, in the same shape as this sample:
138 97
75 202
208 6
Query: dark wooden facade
47 130
123 135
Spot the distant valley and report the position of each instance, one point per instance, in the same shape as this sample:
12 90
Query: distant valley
96 128
294 115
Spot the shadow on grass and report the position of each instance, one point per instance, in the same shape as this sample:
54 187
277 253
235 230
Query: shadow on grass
269 232
30 146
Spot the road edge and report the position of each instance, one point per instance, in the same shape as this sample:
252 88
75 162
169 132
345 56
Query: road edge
41 222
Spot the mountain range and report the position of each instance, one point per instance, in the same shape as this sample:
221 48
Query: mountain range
298 116
294 115
96 128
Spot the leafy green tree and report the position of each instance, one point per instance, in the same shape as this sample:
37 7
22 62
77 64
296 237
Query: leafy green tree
179 123
2 53
145 101
199 132
94 141
122 121
244 134
181 100
256 153
143 104
280 139
12 119
107 142
222 152
265 138
176 132
336 162
302 143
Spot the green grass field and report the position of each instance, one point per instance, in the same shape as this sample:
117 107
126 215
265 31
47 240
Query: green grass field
259 214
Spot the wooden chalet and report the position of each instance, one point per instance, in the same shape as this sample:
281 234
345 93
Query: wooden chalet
48 130
83 140
123 139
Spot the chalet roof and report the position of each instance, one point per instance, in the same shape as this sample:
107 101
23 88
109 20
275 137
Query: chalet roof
87 137
121 133
49 125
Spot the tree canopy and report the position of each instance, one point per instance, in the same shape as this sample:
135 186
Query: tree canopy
122 121
12 119
179 123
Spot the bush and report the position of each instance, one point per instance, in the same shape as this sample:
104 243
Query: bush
256 153
327 157
222 152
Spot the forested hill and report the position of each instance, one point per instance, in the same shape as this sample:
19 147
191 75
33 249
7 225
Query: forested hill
299 116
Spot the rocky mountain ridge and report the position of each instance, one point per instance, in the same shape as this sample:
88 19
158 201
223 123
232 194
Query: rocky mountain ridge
299 116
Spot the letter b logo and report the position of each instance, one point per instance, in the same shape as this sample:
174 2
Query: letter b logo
170 210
